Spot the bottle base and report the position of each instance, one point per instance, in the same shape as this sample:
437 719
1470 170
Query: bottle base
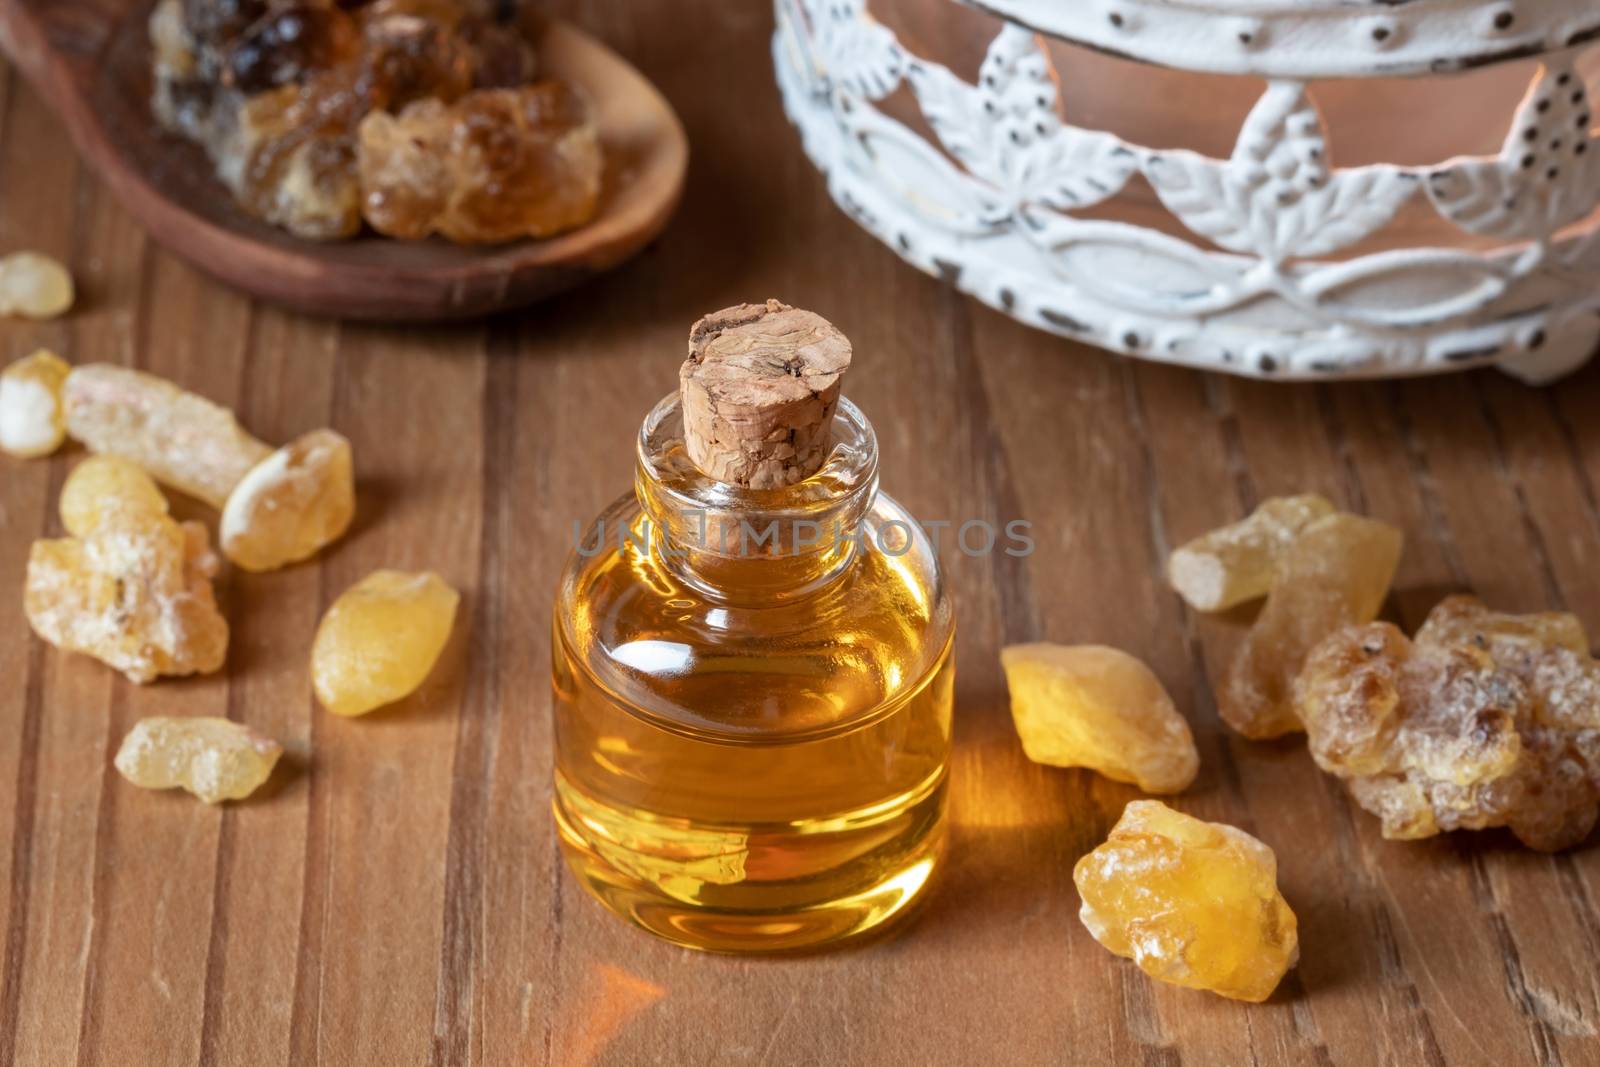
874 910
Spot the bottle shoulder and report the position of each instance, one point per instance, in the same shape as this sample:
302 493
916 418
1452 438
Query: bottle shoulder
746 666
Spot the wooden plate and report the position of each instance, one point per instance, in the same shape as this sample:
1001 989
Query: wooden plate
91 60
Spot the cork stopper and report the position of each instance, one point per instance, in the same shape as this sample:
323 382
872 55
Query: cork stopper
759 391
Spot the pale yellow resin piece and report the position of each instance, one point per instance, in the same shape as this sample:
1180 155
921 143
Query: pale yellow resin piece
102 487
291 504
183 440
380 639
1098 707
34 286
32 420
1193 903
1231 565
135 594
215 759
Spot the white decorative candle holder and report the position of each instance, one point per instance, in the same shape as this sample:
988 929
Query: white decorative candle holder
1283 271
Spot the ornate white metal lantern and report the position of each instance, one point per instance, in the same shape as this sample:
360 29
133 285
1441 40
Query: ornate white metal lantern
1275 262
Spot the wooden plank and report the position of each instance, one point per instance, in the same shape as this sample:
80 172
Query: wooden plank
1548 940
379 804
1427 886
152 872
1096 579
1347 992
287 388
51 737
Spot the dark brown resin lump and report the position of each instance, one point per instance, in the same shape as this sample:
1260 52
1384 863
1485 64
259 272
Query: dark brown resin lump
411 116
496 164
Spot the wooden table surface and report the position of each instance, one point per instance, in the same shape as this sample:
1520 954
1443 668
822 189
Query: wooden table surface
395 896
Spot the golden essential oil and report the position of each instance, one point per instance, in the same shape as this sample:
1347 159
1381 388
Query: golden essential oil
753 701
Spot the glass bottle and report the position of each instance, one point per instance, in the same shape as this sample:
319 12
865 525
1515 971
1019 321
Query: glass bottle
752 701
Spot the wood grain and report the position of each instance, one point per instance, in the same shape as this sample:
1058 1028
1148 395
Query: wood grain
396 897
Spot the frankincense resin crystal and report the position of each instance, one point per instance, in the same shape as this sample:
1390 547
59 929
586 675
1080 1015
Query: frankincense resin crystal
183 440
215 759
278 507
32 422
1097 707
288 158
1193 903
291 504
1231 565
281 96
103 487
135 594
1337 572
494 165
380 639
1484 720
34 286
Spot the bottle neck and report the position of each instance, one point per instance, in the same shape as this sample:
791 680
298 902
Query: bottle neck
737 544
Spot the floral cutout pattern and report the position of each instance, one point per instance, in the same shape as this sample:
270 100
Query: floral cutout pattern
856 53
1277 197
1545 178
997 213
1007 131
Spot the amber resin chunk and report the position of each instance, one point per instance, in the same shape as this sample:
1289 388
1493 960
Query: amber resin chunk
34 286
135 594
101 489
274 98
185 95
275 93
1484 720
1097 707
380 640
215 759
1236 563
495 165
410 58
1337 572
288 43
183 440
444 12
1193 903
291 504
288 156
32 422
